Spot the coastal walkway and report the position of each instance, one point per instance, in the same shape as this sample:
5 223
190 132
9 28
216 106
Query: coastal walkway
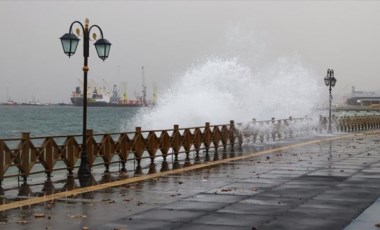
323 182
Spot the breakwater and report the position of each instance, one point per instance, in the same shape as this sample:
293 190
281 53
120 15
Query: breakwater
47 154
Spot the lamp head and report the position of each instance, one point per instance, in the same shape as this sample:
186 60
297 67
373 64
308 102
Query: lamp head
327 80
69 43
103 47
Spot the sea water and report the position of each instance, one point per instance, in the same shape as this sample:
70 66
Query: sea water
54 120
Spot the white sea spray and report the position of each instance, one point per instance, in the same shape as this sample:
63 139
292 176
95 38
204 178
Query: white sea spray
224 89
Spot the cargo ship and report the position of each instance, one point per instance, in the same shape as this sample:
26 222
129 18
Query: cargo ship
99 98
9 102
102 97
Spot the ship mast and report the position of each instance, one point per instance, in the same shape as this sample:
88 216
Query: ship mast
143 87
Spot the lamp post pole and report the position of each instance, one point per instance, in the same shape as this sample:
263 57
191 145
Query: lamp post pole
330 128
330 81
84 169
69 44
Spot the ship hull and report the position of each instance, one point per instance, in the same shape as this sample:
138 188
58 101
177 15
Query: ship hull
78 101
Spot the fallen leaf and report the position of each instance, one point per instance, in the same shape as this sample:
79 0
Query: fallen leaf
39 215
77 216
22 222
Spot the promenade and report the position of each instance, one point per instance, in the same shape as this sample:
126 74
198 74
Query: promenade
324 182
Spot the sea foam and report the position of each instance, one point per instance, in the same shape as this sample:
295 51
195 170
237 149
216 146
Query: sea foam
223 89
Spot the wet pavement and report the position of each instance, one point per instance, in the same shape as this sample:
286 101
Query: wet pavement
323 185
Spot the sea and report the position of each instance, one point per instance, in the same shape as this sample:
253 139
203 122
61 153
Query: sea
54 120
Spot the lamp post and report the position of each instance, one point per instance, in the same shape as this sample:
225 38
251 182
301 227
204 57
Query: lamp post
330 82
69 43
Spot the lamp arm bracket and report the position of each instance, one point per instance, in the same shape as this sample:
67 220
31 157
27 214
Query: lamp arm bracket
101 32
72 24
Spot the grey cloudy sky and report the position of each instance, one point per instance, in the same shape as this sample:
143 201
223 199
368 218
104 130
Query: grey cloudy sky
167 37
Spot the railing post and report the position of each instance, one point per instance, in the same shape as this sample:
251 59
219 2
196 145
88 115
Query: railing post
279 129
25 155
254 131
239 134
232 133
137 148
290 127
90 148
175 144
261 131
207 139
273 128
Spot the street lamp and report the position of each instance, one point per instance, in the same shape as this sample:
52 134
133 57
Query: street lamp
69 44
330 81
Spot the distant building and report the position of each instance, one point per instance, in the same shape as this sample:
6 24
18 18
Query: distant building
362 98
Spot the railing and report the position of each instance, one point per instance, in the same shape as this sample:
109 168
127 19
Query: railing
47 151
25 153
356 123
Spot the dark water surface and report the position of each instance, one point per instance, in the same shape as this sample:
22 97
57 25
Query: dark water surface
61 120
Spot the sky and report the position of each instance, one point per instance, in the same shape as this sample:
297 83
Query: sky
169 37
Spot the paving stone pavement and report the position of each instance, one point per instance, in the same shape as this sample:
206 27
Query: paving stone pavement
320 186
